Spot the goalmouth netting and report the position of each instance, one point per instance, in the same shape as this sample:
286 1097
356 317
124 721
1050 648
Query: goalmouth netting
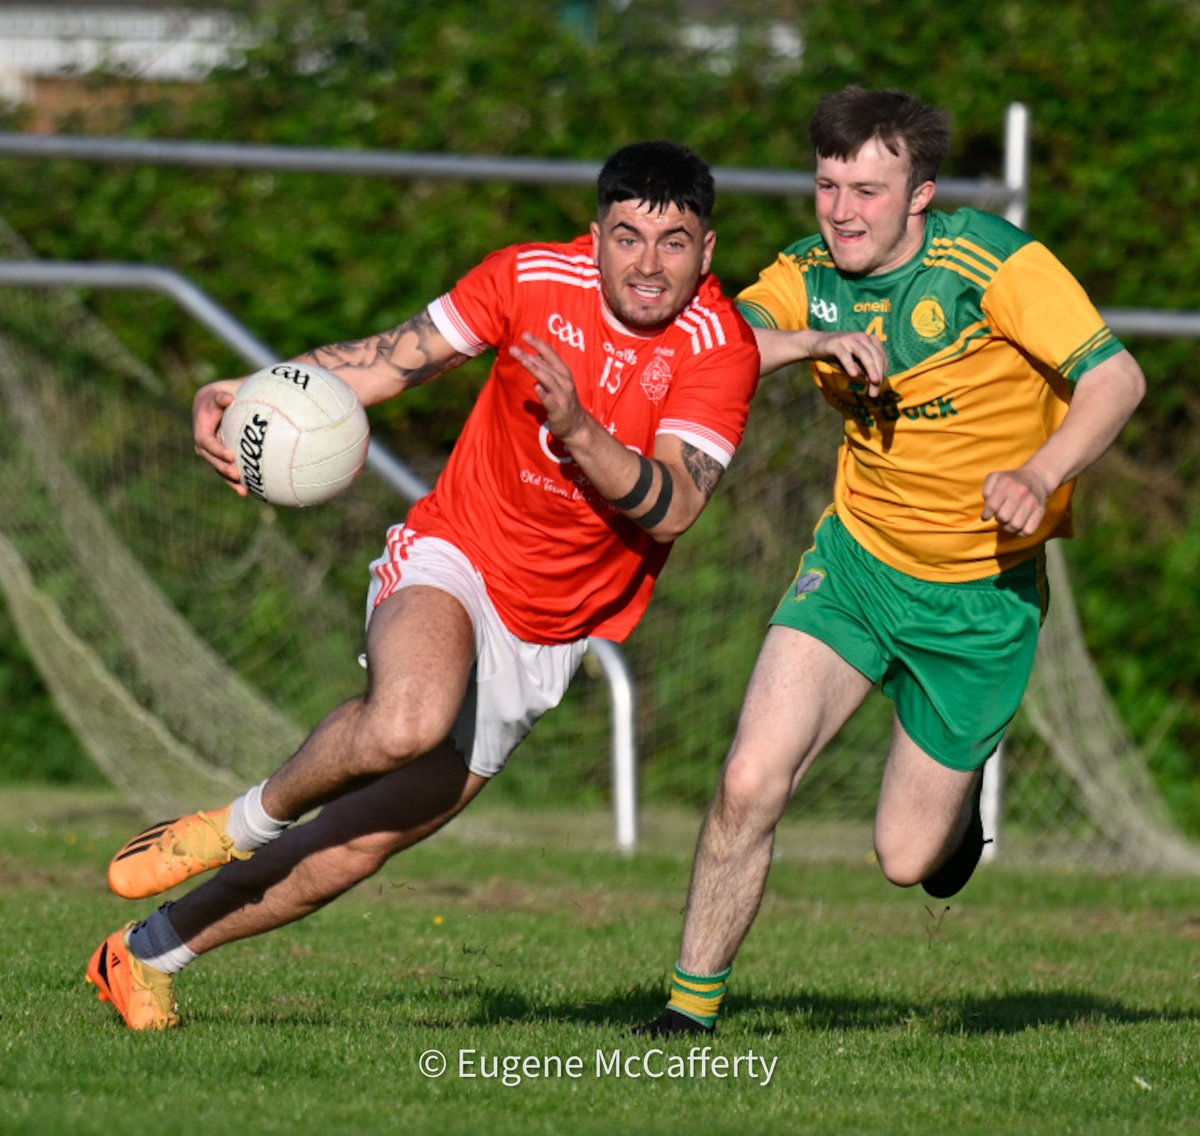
190 638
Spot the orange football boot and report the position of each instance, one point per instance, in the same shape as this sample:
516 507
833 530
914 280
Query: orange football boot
167 853
143 996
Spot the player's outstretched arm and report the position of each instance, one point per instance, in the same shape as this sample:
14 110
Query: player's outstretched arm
381 366
860 355
377 367
1103 402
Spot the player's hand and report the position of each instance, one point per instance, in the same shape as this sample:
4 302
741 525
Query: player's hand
860 355
1016 498
554 386
208 408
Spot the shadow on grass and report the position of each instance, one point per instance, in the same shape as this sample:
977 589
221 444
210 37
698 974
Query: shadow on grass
479 1004
994 1014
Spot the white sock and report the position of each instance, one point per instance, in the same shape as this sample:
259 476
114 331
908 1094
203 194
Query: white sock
157 943
249 825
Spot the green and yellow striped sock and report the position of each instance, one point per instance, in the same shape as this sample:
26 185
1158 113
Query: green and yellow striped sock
699 996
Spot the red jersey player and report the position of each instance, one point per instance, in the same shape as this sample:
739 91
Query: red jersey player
590 571
620 391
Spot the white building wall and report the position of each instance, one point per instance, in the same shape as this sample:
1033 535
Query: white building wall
57 41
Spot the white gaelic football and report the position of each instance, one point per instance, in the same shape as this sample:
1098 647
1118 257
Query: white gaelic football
299 432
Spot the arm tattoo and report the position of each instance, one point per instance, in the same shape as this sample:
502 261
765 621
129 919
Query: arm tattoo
706 471
375 351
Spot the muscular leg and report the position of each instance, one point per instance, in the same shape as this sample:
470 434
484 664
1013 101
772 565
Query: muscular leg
799 696
314 863
922 812
420 649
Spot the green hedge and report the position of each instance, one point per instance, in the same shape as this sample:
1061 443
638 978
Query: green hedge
304 259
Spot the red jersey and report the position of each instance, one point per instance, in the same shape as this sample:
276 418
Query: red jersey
559 561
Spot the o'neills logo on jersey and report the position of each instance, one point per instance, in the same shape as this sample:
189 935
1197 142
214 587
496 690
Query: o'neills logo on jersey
250 447
565 331
656 379
297 375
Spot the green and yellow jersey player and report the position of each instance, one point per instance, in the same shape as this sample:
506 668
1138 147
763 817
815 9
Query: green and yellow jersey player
985 333
976 381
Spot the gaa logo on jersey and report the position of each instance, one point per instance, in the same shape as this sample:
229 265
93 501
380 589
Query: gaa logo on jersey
565 331
656 379
824 310
928 319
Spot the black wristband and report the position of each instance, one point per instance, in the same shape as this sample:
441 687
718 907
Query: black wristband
658 510
641 487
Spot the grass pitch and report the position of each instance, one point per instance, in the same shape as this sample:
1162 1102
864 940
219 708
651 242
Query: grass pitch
520 949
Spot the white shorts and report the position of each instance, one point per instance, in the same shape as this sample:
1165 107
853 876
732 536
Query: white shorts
513 683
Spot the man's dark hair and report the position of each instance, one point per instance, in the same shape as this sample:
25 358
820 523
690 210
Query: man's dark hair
660 174
844 121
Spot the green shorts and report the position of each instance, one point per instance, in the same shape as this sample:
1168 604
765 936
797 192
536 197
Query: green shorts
955 659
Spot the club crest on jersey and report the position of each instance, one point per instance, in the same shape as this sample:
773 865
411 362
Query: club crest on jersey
928 319
807 583
656 379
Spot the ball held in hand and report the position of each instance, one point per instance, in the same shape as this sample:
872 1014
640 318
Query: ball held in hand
299 432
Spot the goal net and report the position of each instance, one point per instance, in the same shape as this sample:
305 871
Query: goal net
191 639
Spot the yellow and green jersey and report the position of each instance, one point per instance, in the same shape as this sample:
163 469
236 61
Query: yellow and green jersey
986 332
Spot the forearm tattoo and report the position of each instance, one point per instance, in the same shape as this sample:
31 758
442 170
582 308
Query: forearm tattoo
413 337
706 471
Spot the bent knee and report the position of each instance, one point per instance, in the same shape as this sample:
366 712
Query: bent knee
901 864
388 741
364 855
341 867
